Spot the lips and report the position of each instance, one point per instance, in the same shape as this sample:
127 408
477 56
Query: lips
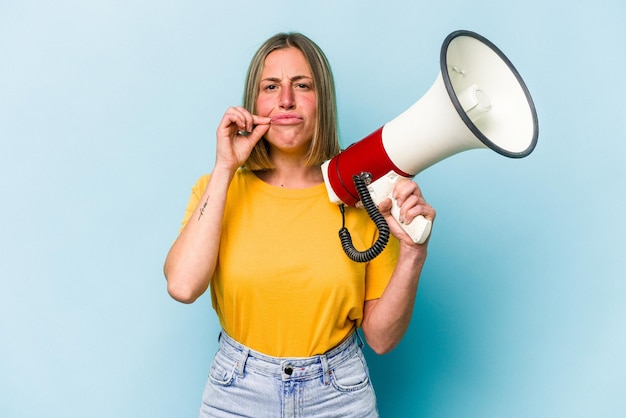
286 119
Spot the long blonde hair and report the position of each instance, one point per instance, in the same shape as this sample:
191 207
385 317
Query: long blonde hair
325 143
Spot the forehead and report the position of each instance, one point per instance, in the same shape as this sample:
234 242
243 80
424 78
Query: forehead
287 62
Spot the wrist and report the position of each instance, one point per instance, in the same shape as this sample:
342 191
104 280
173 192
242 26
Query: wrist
414 252
223 170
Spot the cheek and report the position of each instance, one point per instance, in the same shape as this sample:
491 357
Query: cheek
263 106
261 109
311 106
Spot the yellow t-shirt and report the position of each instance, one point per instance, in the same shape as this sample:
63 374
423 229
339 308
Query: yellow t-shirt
283 285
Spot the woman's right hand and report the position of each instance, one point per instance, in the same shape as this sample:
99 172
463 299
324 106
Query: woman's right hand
191 262
237 134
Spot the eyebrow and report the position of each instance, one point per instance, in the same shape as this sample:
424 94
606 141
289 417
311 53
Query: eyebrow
292 79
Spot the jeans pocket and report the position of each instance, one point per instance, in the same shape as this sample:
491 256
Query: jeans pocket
351 375
222 370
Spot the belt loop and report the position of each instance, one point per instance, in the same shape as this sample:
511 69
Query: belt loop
325 370
359 339
241 364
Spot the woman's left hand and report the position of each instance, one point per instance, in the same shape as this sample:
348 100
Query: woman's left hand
409 198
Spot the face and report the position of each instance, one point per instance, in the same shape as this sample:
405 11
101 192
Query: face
287 95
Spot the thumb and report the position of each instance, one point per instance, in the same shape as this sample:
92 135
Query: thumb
385 207
260 129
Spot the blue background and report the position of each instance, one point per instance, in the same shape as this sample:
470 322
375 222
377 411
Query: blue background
107 116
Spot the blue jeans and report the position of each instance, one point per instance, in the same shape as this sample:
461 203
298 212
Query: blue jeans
245 383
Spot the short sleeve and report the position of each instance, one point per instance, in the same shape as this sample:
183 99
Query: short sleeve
380 269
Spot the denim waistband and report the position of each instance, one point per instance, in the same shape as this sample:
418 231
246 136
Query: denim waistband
287 368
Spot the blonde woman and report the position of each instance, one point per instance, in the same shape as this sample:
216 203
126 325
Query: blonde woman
262 234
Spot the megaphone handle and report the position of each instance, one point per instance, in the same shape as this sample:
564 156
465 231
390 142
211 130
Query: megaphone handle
418 229
381 189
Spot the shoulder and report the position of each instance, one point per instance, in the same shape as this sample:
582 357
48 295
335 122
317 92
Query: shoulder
240 177
201 184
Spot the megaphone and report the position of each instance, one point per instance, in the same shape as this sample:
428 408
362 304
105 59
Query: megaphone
478 100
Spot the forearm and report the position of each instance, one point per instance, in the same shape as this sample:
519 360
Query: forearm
191 261
386 319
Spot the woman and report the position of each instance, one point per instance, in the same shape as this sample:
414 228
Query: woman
261 231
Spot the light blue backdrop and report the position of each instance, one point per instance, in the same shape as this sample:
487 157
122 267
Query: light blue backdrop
107 117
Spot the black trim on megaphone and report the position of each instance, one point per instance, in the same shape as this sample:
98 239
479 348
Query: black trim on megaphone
459 108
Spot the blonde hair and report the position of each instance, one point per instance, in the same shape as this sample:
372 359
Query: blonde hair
325 143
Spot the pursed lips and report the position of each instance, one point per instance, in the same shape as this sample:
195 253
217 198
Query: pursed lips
286 119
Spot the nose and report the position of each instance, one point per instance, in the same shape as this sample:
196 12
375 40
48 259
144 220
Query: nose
287 98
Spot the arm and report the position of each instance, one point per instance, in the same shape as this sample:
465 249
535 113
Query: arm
191 261
386 320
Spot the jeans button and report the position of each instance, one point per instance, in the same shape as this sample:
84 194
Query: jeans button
288 370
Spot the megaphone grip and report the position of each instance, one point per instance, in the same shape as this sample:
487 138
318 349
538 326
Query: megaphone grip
419 228
381 189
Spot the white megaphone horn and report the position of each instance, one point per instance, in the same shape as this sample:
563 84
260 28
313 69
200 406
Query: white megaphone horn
478 100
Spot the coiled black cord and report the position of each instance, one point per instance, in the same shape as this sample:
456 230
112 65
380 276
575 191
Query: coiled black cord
375 215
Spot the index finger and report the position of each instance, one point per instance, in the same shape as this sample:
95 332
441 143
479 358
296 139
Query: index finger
255 120
405 188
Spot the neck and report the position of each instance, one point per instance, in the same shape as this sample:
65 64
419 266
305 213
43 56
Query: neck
292 177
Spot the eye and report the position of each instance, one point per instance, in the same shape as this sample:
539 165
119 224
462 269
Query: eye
302 86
